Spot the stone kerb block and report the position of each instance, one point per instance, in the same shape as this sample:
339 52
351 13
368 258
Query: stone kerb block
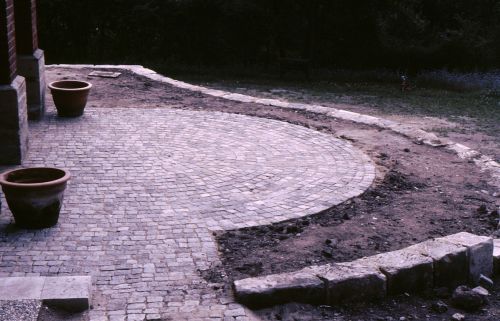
496 256
271 102
479 253
327 284
68 292
213 92
406 271
450 262
155 77
300 286
32 68
346 282
240 98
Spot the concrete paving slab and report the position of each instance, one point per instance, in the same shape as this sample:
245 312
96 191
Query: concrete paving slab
21 288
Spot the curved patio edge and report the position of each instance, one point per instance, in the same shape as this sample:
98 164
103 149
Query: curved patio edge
484 162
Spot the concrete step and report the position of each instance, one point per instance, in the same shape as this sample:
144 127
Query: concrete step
71 293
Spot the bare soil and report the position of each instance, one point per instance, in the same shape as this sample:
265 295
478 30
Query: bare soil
420 192
402 209
404 307
48 313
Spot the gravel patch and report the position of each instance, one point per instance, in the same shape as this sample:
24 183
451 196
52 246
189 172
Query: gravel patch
24 310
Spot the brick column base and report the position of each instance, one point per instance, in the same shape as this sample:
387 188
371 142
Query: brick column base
32 68
13 122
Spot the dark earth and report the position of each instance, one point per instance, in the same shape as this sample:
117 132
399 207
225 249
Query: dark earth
420 192
50 313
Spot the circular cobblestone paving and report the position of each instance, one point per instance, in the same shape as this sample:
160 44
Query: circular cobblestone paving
224 170
149 186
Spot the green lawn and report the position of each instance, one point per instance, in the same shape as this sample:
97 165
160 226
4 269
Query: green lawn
480 107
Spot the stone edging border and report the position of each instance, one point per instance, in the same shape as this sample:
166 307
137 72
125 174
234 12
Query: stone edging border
450 261
420 136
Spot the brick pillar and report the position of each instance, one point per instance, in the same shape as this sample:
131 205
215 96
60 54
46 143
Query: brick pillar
7 43
31 60
13 108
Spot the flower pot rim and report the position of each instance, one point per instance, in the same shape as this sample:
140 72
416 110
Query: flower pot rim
85 85
5 183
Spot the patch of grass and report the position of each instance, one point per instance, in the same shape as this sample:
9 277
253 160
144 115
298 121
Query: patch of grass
477 105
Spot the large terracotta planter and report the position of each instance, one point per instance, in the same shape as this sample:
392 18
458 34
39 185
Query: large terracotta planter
35 195
70 96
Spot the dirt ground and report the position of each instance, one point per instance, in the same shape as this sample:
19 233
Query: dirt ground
420 192
48 313
401 308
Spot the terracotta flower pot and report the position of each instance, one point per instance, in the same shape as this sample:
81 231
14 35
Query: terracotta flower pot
35 195
70 96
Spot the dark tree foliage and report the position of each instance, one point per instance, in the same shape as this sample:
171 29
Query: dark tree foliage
411 34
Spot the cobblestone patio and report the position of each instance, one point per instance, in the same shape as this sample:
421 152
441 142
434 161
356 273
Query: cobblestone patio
148 188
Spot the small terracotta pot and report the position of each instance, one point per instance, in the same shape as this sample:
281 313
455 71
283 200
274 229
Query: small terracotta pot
70 96
35 195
